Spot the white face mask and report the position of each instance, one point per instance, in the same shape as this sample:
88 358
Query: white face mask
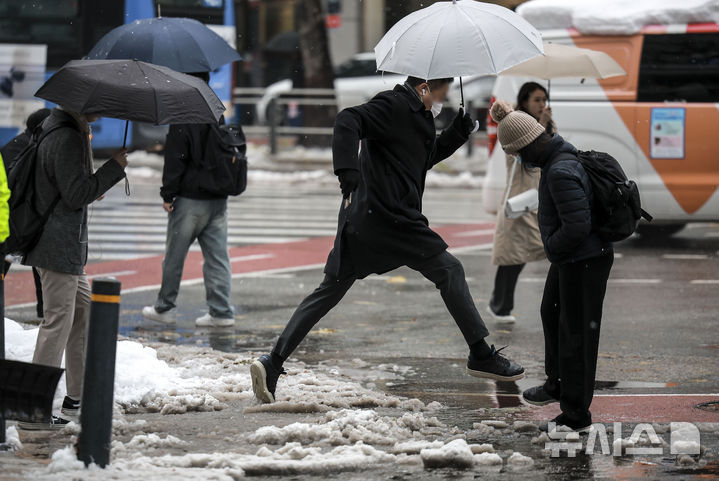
436 107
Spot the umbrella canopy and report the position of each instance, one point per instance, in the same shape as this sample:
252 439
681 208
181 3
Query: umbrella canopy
568 61
132 90
452 39
182 44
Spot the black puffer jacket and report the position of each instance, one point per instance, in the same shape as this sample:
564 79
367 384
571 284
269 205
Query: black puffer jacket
565 206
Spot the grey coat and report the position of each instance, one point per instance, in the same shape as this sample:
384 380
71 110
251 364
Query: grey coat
64 166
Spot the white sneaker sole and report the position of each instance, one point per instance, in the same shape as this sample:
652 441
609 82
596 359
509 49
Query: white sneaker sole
500 318
496 377
217 323
40 426
259 383
159 318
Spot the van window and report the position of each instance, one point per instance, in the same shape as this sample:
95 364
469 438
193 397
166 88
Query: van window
679 67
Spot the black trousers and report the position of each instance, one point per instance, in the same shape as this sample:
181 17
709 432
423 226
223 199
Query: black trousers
505 282
444 270
571 318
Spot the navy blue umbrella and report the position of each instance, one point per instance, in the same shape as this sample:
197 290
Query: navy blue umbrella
182 44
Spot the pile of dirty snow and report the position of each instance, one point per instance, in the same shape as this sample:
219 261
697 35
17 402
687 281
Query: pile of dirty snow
177 379
144 382
349 426
460 455
616 17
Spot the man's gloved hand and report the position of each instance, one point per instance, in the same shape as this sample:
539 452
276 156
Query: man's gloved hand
349 180
463 123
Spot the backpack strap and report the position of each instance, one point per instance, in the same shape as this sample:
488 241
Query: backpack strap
646 215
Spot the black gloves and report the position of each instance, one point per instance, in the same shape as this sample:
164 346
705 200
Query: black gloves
463 123
349 180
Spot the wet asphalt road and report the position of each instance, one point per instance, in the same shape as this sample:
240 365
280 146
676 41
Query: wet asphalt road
659 331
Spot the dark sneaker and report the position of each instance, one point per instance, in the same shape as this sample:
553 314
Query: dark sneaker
264 378
70 407
563 424
496 367
55 424
538 396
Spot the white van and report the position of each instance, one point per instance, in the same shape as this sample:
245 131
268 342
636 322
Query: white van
661 120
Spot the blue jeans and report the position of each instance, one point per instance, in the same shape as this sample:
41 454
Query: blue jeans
206 221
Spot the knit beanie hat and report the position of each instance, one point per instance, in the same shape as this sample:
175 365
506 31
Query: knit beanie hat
515 129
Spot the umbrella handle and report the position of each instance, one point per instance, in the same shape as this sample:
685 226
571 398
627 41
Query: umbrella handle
461 93
549 87
124 140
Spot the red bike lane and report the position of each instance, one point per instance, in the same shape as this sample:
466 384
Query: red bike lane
145 272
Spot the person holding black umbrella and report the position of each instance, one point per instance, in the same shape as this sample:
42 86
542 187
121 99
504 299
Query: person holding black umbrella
381 226
86 90
66 185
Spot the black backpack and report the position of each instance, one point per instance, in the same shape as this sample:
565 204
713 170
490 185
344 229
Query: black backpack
224 166
617 205
26 221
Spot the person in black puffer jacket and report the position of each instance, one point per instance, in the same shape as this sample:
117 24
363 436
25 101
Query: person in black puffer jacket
580 265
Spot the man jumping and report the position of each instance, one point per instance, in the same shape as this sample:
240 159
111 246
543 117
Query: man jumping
381 226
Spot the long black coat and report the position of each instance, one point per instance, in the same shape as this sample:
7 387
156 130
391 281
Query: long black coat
383 227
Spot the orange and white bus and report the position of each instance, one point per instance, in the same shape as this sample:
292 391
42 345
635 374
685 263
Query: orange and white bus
661 120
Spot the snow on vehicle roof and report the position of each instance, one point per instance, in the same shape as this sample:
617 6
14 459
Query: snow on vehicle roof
616 17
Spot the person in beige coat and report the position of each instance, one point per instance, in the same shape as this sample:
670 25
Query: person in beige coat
517 241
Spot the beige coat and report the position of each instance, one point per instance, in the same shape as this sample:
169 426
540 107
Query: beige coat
517 241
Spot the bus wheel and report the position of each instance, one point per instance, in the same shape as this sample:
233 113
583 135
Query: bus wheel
659 230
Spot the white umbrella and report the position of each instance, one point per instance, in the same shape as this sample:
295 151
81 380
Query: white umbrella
568 61
461 37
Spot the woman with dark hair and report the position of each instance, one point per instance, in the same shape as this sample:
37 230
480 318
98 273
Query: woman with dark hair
580 265
517 241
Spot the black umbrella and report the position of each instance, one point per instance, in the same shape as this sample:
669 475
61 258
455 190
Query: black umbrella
132 90
182 44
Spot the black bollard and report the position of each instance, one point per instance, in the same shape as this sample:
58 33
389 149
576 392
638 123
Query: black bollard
98 386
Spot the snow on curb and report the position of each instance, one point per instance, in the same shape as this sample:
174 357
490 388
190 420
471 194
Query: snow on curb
459 455
12 438
179 379
347 427
518 460
260 171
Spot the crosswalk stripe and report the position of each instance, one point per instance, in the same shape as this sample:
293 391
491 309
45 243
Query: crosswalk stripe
130 227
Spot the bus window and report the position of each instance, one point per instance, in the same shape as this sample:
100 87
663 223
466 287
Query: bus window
679 67
205 11
49 22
